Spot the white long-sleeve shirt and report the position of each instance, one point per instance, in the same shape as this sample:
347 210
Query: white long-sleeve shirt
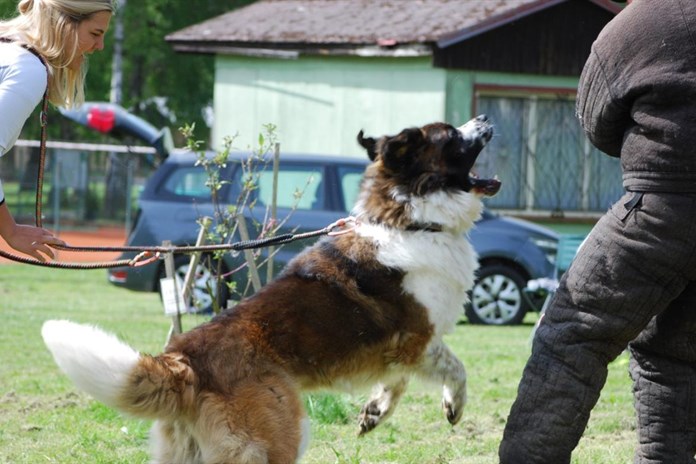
22 85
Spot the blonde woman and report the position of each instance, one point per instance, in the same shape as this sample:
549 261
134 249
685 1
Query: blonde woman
62 33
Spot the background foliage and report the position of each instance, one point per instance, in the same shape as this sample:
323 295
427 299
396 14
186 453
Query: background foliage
152 70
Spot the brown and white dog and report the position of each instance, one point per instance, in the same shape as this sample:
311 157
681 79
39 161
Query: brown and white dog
368 307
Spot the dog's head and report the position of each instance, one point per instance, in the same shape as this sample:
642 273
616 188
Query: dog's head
423 176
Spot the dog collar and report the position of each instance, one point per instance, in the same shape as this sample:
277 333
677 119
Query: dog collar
425 227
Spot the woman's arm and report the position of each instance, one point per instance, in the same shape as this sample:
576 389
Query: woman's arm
22 84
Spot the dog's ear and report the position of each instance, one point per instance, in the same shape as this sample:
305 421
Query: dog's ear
399 150
368 144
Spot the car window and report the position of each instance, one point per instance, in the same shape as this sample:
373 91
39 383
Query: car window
187 182
350 185
298 186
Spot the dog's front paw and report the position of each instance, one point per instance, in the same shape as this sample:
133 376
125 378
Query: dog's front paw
453 403
370 416
381 405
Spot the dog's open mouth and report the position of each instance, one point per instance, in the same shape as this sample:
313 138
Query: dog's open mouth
487 187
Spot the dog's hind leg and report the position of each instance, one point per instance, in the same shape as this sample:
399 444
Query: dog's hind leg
172 442
381 404
441 365
261 420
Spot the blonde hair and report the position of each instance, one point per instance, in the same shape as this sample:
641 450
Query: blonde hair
50 27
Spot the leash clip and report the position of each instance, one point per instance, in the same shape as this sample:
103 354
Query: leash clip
346 225
144 258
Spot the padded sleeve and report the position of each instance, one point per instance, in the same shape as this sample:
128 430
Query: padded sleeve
603 117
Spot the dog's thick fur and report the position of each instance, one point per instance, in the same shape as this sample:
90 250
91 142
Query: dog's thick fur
362 308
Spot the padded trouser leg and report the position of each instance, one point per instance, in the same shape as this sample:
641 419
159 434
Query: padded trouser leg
665 401
559 387
632 266
663 369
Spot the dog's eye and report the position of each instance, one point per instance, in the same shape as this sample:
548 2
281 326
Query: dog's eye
455 145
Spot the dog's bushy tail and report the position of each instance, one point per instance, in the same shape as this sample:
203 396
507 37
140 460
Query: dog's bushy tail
115 374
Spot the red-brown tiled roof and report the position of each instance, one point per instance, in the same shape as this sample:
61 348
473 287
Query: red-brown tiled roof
360 22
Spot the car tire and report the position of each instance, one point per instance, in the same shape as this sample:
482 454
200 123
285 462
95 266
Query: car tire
202 300
497 297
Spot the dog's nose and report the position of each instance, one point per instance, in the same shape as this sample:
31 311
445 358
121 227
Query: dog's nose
482 118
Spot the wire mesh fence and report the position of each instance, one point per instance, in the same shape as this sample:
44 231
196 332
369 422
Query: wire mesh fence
83 183
546 163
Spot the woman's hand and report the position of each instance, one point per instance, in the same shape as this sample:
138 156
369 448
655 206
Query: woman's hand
30 240
33 241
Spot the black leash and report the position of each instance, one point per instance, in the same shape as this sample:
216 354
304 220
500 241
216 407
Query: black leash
150 254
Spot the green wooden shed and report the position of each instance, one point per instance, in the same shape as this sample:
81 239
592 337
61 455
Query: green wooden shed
321 70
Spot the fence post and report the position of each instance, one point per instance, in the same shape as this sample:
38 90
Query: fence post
195 259
253 270
170 273
274 210
185 291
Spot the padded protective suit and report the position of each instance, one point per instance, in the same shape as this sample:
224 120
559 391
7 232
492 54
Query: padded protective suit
633 283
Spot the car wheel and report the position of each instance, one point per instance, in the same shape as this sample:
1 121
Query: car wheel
497 297
205 287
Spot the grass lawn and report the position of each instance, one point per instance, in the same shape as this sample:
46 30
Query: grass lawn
43 419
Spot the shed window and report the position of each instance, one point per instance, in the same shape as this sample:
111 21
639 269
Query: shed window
542 156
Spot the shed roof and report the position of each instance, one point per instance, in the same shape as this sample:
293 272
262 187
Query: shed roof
307 23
